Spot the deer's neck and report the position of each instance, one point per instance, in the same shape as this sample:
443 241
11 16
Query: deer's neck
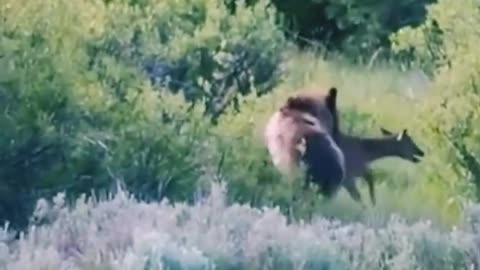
378 148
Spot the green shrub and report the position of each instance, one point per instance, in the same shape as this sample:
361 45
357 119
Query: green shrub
452 108
80 111
446 45
197 47
356 28
98 91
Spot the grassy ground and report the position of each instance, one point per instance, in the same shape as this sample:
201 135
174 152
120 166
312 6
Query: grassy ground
408 229
383 96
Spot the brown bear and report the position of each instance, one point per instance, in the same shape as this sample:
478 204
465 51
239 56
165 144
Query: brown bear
309 119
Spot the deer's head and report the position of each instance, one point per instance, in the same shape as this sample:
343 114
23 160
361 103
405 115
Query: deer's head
405 146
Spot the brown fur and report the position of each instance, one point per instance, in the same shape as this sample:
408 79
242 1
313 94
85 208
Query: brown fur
360 152
306 118
323 106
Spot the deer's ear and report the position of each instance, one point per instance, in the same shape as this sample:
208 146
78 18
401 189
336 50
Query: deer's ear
385 132
331 99
332 92
401 134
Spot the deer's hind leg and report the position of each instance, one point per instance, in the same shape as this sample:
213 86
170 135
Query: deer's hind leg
368 176
353 191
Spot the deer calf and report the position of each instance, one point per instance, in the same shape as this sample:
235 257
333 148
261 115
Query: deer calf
359 152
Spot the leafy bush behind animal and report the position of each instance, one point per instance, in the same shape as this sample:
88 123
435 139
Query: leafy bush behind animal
79 110
359 29
195 47
446 46
82 108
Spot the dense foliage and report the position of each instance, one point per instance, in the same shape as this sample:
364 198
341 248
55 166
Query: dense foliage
446 46
356 27
84 99
160 97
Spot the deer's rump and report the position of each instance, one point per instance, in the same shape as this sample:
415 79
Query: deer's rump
324 162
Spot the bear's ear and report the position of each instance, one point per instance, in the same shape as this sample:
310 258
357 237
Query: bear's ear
291 102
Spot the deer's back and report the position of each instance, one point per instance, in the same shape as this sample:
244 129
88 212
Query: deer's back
355 157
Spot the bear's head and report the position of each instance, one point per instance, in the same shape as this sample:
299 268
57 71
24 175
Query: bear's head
321 106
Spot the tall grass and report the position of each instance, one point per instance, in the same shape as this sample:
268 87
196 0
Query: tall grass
369 98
